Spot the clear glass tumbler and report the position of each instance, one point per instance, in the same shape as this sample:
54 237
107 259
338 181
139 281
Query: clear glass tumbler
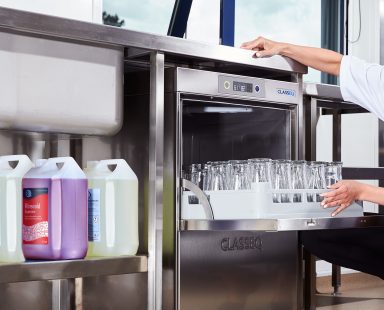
316 179
204 176
240 179
195 174
207 182
281 179
218 182
259 170
333 172
299 178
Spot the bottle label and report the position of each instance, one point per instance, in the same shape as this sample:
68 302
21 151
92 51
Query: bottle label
94 214
35 216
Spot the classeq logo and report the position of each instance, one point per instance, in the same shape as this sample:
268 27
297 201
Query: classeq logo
241 243
286 92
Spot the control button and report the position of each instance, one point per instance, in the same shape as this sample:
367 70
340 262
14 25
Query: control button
257 88
227 84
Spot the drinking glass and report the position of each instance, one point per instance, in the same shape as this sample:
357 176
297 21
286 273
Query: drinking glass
333 172
299 178
240 175
204 176
218 175
195 174
207 181
281 179
228 174
259 170
316 179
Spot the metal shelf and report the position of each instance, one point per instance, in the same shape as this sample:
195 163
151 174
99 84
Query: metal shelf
66 269
283 224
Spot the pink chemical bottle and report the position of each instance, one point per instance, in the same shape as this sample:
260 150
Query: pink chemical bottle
55 197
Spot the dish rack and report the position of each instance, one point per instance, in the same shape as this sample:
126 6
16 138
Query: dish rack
256 203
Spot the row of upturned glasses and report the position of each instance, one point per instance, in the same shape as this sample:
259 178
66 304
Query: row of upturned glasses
280 174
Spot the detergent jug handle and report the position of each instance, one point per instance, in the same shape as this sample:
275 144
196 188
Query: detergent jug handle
24 163
107 162
60 161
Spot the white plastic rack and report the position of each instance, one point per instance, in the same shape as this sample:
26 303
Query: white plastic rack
260 203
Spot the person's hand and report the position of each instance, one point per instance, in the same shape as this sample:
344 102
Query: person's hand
263 47
344 193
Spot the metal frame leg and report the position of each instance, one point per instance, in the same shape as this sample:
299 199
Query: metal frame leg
336 154
311 118
155 184
63 297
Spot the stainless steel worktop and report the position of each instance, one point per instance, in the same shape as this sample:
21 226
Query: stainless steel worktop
323 91
55 27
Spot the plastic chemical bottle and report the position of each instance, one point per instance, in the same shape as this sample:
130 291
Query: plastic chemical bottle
11 206
112 208
55 210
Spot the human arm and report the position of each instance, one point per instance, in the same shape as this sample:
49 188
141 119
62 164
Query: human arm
318 58
346 192
360 82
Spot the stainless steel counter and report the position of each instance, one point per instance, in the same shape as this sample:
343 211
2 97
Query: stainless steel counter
323 91
55 27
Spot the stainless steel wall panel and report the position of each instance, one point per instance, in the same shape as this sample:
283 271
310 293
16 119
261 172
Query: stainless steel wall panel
26 295
119 292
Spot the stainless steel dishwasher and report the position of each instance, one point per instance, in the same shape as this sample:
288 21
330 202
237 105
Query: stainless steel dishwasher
229 117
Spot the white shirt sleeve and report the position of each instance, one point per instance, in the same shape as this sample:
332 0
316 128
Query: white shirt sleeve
363 84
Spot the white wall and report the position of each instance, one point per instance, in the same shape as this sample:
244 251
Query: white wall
368 45
84 10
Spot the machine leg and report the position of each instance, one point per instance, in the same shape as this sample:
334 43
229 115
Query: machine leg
309 281
336 279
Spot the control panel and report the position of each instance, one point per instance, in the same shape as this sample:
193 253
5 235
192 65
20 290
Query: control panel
242 86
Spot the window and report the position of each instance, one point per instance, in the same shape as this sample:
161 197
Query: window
294 21
141 15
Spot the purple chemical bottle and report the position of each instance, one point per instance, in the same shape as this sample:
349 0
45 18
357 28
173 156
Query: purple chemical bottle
55 197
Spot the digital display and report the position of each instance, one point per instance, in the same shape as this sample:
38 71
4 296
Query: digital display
242 87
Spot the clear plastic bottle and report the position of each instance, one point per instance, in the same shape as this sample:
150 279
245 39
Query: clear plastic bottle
11 206
112 208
